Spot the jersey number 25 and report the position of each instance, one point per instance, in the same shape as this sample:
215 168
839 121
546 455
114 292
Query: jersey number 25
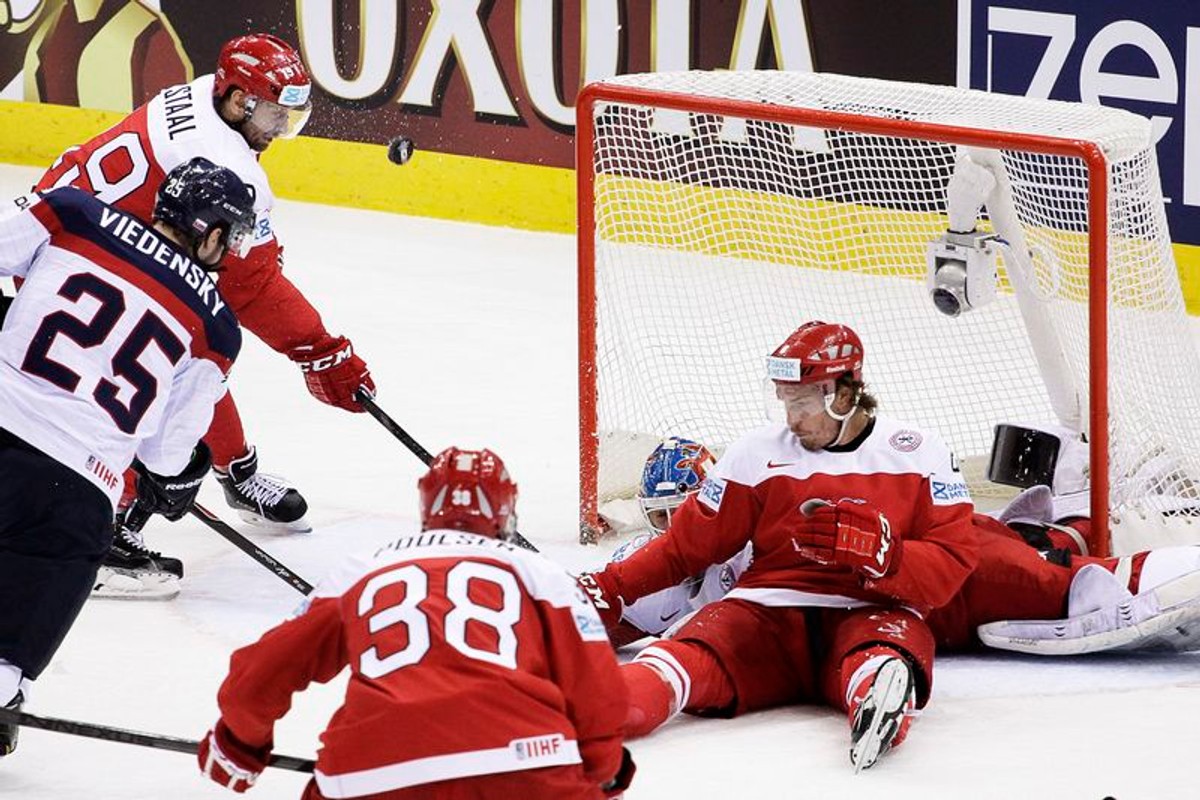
94 332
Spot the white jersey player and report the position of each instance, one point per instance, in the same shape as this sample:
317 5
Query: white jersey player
259 92
116 347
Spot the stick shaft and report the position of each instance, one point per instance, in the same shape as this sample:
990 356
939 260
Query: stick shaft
394 428
420 452
123 736
250 548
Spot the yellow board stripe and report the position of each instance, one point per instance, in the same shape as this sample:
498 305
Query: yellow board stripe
358 175
342 173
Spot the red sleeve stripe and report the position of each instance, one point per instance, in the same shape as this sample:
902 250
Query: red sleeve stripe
46 215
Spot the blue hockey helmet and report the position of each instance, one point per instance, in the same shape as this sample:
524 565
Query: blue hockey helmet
674 470
198 195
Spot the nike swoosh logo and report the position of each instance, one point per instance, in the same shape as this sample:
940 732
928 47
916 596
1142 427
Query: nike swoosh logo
668 617
777 464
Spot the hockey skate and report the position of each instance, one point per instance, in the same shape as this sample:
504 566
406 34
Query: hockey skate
881 707
9 730
263 499
131 571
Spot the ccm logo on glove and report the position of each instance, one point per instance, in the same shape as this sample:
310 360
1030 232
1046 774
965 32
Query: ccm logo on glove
850 532
328 361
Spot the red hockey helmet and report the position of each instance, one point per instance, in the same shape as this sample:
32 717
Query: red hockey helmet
817 352
264 66
468 490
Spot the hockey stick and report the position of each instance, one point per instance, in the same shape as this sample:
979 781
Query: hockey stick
393 427
123 736
250 548
420 452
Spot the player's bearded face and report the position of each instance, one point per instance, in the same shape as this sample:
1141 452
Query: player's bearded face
804 407
267 121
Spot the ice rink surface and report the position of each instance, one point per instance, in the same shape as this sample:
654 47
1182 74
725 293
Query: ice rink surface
470 335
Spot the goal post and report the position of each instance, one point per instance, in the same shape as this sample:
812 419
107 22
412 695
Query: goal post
719 210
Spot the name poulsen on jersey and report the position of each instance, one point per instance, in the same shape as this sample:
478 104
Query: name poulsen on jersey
144 240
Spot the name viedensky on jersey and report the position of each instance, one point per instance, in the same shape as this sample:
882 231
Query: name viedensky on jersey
145 240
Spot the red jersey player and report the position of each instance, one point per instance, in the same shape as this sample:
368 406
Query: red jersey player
260 92
117 347
858 524
1034 590
477 669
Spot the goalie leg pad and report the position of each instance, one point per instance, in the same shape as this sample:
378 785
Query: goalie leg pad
1166 618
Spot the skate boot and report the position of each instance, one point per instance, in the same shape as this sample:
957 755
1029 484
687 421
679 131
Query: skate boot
263 499
9 730
882 697
131 571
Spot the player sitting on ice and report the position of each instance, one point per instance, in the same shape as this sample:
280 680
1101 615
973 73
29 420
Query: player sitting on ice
829 610
477 668
1154 604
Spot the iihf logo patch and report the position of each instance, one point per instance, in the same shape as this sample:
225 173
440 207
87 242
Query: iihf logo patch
905 441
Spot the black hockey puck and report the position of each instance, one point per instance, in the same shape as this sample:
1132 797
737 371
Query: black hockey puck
400 150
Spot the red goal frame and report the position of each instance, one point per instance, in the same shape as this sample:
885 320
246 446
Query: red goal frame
1089 152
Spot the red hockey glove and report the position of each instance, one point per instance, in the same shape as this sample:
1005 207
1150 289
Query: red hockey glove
849 532
333 371
607 604
229 762
620 782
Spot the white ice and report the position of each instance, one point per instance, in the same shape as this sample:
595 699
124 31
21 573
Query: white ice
470 334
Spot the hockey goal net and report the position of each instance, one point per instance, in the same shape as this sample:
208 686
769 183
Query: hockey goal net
719 210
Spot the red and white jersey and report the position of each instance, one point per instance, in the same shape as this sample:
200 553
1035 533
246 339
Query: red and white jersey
468 656
754 494
655 613
125 164
117 345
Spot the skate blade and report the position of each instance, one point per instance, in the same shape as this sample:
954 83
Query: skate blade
890 692
267 526
112 585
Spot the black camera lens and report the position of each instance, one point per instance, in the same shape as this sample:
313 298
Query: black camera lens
947 302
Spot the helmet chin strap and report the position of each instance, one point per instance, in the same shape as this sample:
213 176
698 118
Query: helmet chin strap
842 418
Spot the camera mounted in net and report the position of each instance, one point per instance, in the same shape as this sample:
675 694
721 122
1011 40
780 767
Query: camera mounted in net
962 271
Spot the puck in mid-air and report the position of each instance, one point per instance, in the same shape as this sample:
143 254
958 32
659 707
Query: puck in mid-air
400 150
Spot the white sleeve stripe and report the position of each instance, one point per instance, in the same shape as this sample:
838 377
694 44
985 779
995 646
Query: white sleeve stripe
672 672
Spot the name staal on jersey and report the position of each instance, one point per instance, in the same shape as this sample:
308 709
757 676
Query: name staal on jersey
117 345
124 165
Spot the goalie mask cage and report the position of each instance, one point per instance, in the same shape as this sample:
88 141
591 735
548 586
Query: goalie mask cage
720 210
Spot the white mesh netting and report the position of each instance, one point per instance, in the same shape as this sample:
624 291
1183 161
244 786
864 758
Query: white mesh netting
716 236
